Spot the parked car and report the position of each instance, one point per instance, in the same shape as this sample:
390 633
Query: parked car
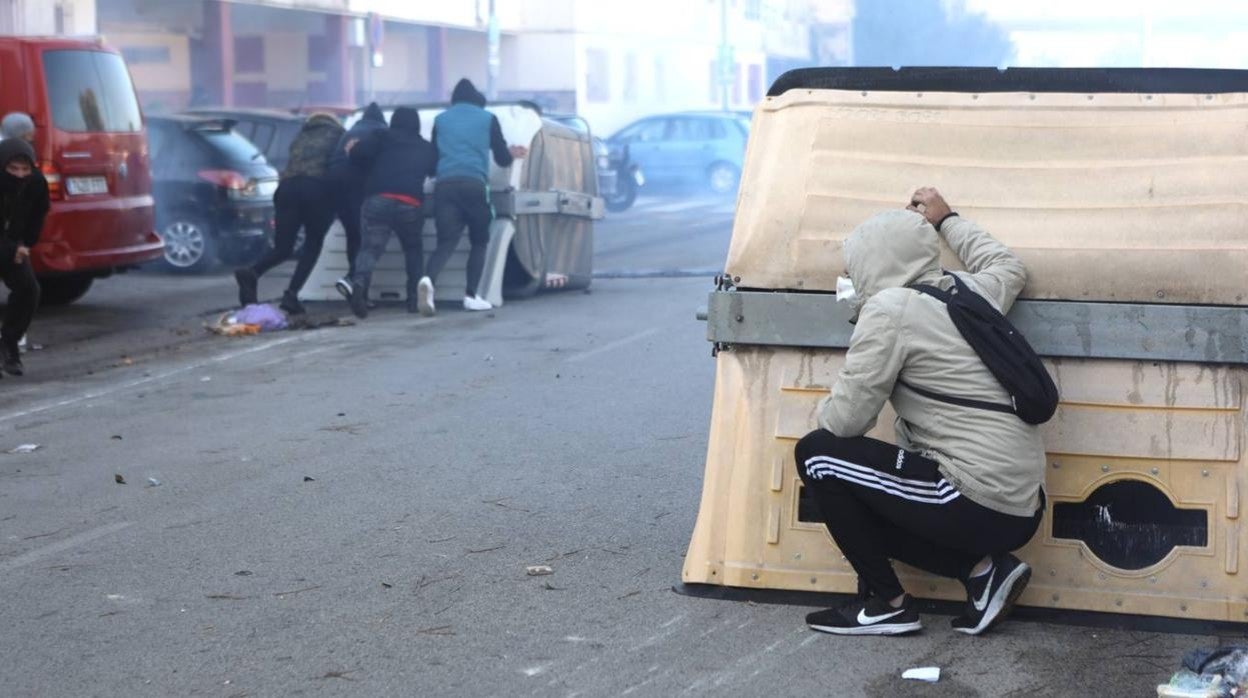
271 130
92 149
214 192
701 148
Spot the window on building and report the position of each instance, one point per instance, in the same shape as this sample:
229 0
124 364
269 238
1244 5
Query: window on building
136 55
753 9
249 54
736 83
597 75
714 81
660 80
630 77
756 84
318 53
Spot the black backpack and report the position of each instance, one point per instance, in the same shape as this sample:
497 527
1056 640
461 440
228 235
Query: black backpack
1002 348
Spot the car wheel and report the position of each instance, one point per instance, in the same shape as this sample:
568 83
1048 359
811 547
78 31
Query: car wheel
189 244
625 195
63 290
722 177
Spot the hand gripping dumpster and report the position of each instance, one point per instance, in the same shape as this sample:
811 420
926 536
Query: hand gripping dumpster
1122 192
542 234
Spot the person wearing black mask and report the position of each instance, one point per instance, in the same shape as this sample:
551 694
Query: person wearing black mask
397 161
23 206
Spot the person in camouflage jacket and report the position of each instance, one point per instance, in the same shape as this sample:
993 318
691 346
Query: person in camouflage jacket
304 200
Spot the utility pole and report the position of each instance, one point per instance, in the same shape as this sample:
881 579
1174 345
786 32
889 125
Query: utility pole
494 59
725 54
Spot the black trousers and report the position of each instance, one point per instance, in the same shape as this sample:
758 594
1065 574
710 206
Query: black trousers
23 297
383 217
459 203
300 202
883 503
350 203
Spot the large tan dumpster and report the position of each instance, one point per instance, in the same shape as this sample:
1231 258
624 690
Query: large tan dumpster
1128 208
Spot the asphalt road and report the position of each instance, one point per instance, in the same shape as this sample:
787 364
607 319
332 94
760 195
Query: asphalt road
351 511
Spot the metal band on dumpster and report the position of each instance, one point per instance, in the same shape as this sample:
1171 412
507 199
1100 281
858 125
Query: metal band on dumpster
1059 329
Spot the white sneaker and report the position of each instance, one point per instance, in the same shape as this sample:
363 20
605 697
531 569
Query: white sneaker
424 297
476 303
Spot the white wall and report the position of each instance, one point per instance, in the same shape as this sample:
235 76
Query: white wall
38 17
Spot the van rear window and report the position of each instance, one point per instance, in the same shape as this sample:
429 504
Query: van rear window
90 91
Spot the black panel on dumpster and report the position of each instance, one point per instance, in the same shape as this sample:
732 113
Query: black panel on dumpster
1130 524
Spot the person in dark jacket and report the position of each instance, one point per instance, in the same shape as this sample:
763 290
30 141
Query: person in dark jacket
24 205
304 199
465 136
348 180
397 161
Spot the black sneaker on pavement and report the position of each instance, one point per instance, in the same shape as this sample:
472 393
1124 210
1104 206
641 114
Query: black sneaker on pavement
247 286
874 616
358 300
12 360
990 597
290 303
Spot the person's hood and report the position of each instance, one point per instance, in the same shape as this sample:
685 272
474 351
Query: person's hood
11 148
891 250
465 91
374 114
406 120
17 125
323 120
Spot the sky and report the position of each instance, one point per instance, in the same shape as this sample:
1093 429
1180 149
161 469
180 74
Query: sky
1123 33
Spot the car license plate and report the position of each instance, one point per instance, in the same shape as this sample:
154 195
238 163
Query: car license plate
81 186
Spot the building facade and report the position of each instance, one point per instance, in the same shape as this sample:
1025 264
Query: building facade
48 17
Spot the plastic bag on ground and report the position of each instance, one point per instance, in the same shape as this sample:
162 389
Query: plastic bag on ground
266 316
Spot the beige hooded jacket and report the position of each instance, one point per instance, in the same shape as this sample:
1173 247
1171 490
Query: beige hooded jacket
995 459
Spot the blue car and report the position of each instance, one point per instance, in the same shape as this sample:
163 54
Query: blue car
700 148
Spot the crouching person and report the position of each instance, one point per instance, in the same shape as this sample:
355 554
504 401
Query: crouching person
396 162
963 488
23 207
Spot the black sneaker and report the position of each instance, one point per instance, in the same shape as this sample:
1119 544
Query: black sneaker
290 303
12 357
991 596
344 287
247 286
358 300
875 616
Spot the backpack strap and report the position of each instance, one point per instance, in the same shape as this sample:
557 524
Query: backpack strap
960 401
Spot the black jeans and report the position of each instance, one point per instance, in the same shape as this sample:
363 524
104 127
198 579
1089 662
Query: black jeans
350 202
881 502
458 203
300 202
23 297
383 216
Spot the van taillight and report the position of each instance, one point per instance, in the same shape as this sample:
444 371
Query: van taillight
56 187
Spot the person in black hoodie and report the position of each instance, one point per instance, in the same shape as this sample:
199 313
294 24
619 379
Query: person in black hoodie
23 206
350 183
397 161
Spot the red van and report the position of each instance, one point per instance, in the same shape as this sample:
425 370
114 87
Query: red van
92 148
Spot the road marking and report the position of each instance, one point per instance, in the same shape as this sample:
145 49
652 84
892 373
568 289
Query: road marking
611 346
71 542
103 392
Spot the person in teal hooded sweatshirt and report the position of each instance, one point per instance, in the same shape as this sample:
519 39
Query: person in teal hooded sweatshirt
466 135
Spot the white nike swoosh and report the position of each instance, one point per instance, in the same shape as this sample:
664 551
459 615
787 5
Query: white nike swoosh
982 602
864 619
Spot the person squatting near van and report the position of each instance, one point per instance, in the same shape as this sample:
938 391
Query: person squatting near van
963 490
24 204
349 180
304 199
396 162
465 136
